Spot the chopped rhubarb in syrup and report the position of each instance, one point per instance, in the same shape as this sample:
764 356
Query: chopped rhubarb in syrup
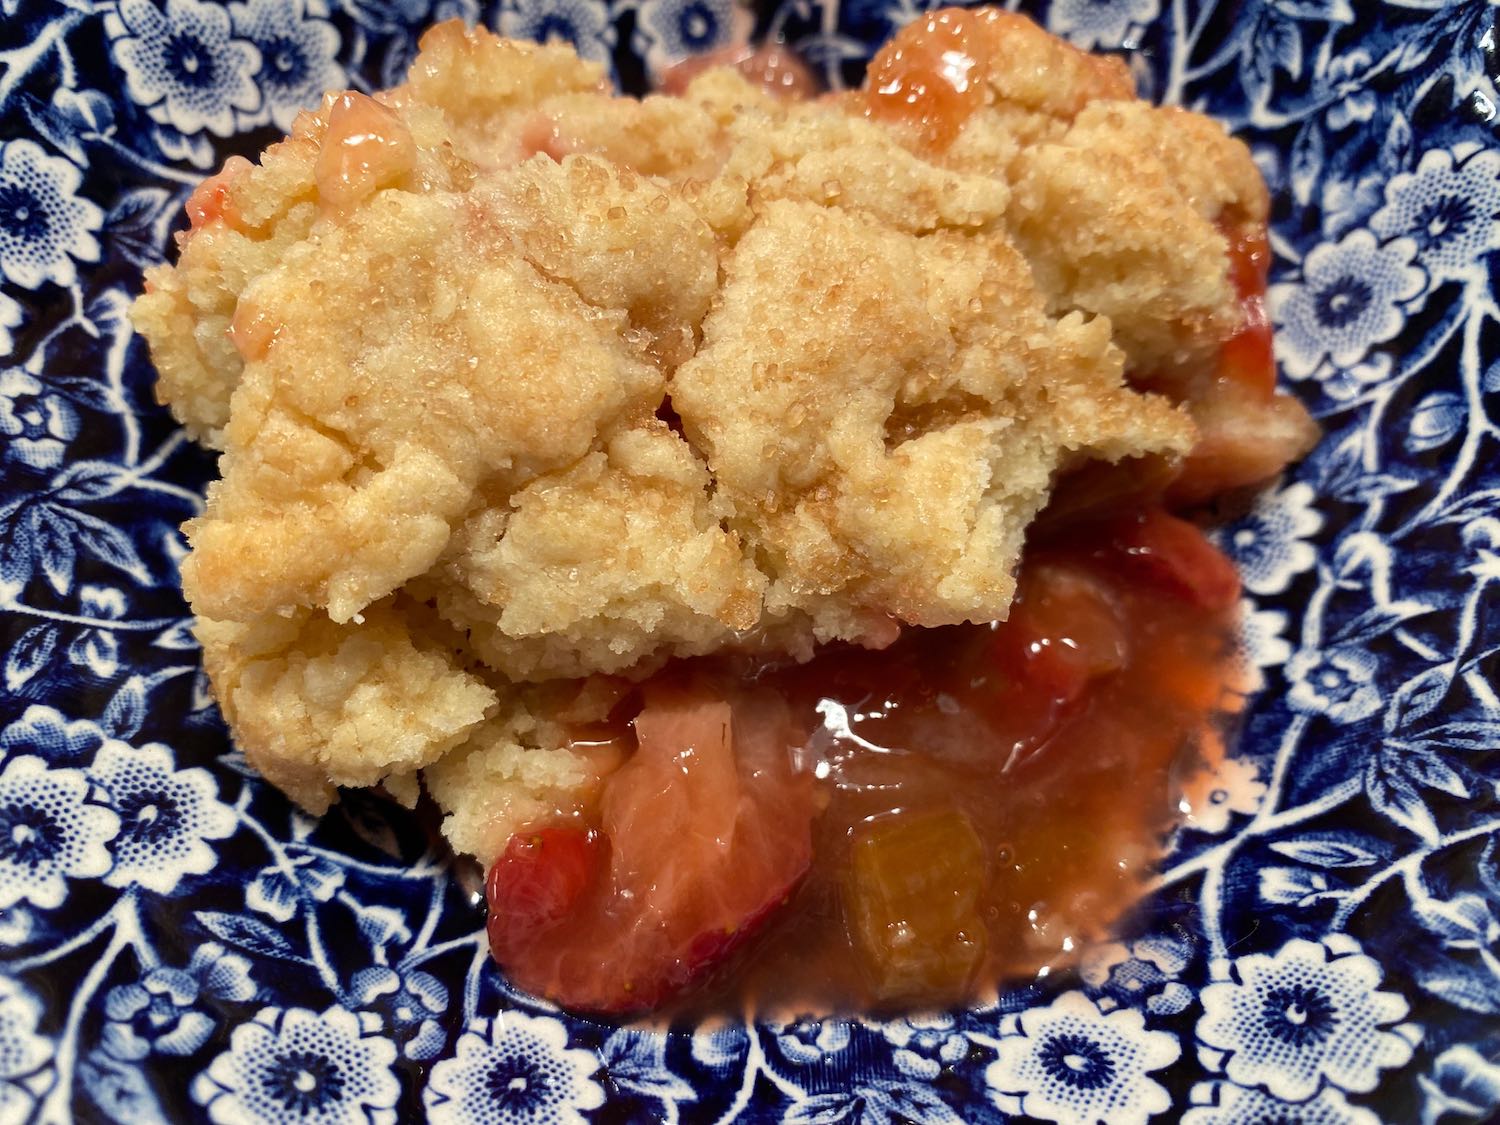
210 201
912 898
899 828
930 76
367 147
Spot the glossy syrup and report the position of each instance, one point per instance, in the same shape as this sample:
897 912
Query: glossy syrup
931 76
1070 789
367 147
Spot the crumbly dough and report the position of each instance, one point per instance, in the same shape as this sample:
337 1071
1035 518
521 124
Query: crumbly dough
579 383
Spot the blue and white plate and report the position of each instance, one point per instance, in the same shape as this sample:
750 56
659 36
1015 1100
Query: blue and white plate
1323 944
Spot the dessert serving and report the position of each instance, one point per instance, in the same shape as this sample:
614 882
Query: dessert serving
647 483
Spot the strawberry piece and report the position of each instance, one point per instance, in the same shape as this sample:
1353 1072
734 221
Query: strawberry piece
709 830
1247 357
1063 633
1077 613
1249 259
538 881
1174 555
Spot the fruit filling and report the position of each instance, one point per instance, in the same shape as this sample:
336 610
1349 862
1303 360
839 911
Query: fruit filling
890 829
702 834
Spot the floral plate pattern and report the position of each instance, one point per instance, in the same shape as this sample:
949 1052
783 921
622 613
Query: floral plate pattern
1321 945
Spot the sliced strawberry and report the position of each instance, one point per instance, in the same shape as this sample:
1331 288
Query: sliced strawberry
1063 633
538 882
1174 555
1247 357
709 831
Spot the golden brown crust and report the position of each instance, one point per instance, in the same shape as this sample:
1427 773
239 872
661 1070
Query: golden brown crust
315 705
1144 191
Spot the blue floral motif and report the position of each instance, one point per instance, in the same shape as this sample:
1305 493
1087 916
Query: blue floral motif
16 926
810 1040
1337 682
167 817
184 64
1221 1103
878 1102
43 731
513 1068
23 1052
10 317
671 30
1349 299
1270 545
160 1011
73 117
1482 539
1353 101
298 56
1345 383
1463 1083
1260 644
96 648
925 1044
278 892
119 1089
1148 970
1211 796
45 224
584 24
636 1061
1450 207
50 832
411 1002
294 1064
720 1047
1101 24
1310 1013
37 425
1070 1061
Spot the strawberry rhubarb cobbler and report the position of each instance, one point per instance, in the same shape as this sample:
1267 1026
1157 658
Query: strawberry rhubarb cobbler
646 483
